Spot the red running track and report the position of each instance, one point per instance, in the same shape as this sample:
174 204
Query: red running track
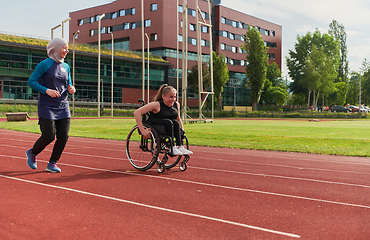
224 194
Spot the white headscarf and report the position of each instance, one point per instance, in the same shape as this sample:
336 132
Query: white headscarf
54 47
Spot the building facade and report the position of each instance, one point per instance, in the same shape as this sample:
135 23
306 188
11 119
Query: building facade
18 61
123 20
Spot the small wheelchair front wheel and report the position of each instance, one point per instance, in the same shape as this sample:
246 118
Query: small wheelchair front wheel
183 166
160 167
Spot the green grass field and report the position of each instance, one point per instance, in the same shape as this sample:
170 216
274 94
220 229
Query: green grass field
349 138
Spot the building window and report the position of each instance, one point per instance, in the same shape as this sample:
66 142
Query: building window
194 41
153 37
147 23
180 9
192 27
234 24
181 23
223 20
92 19
241 25
205 29
109 29
122 13
272 33
231 61
132 11
180 38
91 32
80 22
203 42
224 33
223 46
226 60
102 30
133 25
242 62
232 36
192 12
97 18
154 7
126 26
233 49
240 50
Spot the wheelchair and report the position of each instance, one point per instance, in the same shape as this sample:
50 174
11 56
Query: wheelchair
144 153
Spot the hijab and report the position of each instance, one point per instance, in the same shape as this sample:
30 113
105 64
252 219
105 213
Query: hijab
54 47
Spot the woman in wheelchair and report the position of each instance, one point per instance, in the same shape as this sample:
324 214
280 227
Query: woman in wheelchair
164 110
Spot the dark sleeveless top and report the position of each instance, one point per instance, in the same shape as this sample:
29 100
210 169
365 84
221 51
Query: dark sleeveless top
165 112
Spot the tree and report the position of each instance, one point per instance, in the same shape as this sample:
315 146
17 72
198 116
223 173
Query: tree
220 76
339 33
257 62
193 77
274 89
303 66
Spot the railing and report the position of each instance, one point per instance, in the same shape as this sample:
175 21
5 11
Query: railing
81 108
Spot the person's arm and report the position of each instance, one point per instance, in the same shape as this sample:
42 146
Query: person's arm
178 116
33 81
153 106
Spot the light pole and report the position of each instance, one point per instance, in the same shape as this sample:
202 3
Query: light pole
111 95
142 47
99 33
146 35
52 30
63 22
74 70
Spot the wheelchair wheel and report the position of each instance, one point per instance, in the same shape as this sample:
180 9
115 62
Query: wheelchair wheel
142 153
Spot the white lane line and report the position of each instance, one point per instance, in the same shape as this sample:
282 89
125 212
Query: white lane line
123 158
218 186
284 177
229 171
157 208
285 166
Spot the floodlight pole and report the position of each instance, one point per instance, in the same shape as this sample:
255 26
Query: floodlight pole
52 30
147 37
142 48
63 22
184 59
111 99
74 70
99 33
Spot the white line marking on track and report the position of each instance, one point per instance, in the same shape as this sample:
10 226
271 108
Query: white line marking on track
284 177
157 208
216 186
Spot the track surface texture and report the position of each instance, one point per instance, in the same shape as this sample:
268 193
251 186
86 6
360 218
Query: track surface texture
223 194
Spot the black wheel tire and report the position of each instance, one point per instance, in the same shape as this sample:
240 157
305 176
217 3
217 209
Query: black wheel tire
160 167
183 166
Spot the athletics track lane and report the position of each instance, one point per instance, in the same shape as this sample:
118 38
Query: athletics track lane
224 194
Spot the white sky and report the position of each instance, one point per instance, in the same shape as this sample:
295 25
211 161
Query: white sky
296 17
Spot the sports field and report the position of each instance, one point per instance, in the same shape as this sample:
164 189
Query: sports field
332 137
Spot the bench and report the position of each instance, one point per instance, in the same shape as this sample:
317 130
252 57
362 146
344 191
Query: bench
18 116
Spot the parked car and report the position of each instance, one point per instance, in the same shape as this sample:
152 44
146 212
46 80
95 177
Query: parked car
337 108
353 108
363 109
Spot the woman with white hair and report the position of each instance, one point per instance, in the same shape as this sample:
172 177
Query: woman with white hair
52 80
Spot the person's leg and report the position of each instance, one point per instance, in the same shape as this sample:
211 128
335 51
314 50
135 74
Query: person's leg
47 128
169 125
177 132
62 130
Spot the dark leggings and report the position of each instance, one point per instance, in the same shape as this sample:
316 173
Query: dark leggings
172 128
49 129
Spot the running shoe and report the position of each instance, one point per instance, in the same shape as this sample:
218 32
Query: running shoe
31 159
176 151
184 151
52 167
